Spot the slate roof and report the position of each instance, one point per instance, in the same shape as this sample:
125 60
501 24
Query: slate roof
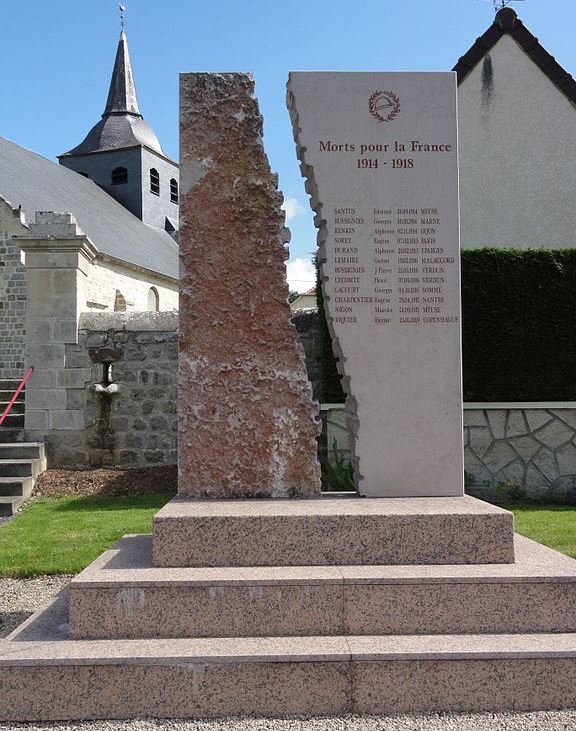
507 22
37 184
122 124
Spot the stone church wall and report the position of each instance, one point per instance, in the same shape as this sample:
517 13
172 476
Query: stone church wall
129 413
12 293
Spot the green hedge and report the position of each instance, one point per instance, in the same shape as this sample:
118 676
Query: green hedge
518 327
329 388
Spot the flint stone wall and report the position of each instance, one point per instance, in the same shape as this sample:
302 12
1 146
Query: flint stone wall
137 426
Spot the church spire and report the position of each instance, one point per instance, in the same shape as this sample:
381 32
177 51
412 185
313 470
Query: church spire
122 94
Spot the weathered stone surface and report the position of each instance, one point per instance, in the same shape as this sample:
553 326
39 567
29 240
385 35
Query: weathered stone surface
566 456
248 426
480 440
537 418
514 474
499 455
497 421
567 415
516 424
525 446
546 463
536 484
554 434
474 417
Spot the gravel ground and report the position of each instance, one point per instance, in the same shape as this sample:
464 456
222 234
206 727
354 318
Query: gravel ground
443 722
20 597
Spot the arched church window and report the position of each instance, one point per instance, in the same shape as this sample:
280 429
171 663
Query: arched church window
174 190
119 176
154 181
119 302
153 300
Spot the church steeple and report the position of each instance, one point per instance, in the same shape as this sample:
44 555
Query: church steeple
122 125
122 97
123 156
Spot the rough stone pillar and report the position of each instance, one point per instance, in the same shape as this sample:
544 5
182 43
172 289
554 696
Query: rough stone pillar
58 258
248 425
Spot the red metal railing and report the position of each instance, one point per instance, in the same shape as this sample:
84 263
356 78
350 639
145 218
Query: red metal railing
16 394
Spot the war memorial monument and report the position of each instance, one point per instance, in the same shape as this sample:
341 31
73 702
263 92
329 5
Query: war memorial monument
256 594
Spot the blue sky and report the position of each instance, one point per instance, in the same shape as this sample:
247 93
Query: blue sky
57 58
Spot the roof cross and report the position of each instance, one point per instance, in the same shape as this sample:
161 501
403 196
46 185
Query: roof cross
499 4
122 9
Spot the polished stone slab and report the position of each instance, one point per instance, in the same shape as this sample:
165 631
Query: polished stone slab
121 595
331 531
52 678
379 152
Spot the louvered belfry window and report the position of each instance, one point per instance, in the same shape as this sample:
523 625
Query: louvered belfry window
154 181
174 190
119 176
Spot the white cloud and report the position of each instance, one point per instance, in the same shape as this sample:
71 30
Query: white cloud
300 274
292 208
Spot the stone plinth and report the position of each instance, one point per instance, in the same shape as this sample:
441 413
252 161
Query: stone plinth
332 531
248 425
123 596
379 151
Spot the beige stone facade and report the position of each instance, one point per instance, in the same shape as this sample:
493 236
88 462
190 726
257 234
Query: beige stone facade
108 279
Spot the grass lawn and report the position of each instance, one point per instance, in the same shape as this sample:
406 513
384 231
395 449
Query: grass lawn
62 535
552 525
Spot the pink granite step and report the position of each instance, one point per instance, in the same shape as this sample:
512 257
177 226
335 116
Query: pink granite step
121 595
45 676
331 531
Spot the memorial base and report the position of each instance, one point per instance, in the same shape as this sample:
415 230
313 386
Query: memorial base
130 639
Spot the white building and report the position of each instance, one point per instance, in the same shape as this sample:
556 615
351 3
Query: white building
517 121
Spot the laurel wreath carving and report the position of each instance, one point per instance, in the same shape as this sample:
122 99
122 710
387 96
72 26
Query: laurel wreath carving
372 105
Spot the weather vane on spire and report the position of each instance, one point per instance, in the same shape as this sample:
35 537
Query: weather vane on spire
499 4
122 9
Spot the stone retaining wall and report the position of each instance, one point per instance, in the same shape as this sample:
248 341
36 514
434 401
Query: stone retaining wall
511 449
131 420
521 449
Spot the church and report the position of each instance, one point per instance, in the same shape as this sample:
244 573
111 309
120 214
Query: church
120 189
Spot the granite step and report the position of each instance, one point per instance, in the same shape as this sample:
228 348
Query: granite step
121 595
46 676
331 531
